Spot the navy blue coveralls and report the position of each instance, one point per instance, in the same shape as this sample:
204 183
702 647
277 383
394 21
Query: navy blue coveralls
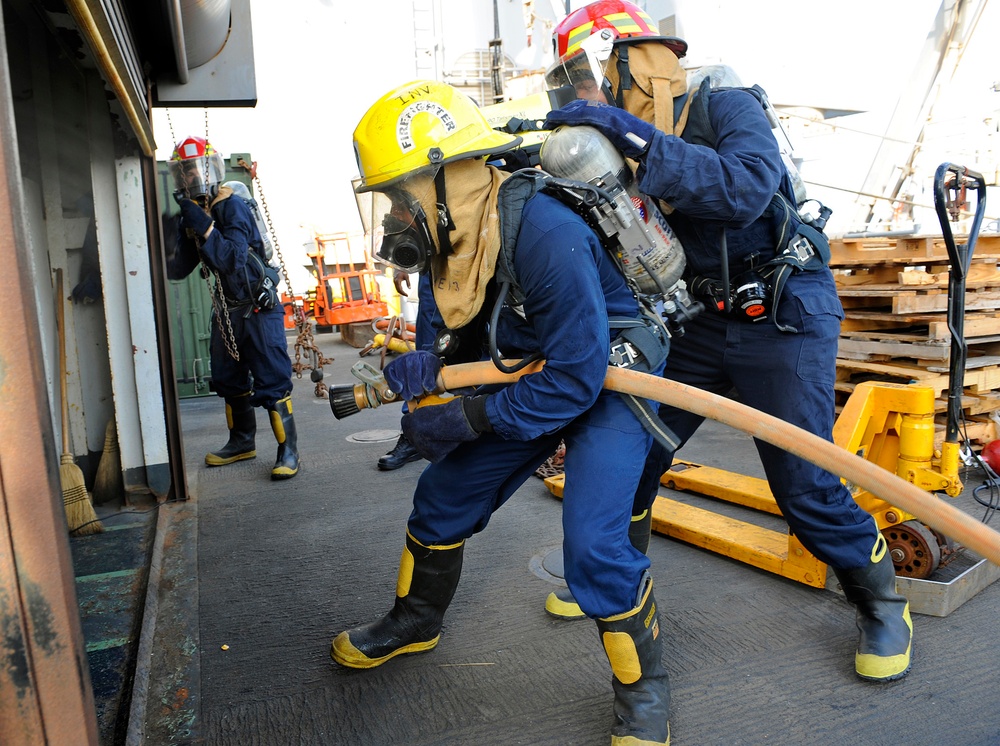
571 287
785 374
264 368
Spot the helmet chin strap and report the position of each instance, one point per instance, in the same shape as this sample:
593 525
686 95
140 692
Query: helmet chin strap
624 76
444 221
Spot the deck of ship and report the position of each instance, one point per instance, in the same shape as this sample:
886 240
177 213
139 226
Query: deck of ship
251 579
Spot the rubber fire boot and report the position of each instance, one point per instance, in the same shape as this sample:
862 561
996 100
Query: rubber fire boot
883 617
401 454
242 424
642 688
286 465
428 576
561 604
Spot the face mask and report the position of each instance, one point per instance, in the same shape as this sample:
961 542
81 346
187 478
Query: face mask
406 240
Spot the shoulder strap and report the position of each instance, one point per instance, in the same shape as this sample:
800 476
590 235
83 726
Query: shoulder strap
698 129
521 186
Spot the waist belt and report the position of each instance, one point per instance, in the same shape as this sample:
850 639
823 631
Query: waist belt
753 294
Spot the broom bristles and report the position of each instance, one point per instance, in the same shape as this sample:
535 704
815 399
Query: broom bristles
108 483
80 515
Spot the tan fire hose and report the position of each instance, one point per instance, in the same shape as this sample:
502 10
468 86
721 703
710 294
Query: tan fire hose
929 509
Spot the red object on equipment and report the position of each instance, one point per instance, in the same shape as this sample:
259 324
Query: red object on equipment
991 455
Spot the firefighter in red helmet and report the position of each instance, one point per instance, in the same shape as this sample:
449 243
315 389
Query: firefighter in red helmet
249 353
709 154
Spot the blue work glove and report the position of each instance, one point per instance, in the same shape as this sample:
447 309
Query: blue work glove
626 132
436 430
414 374
194 217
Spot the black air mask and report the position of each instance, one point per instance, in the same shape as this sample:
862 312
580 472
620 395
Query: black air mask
407 244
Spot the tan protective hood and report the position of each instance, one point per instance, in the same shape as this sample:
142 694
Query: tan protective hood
460 279
657 79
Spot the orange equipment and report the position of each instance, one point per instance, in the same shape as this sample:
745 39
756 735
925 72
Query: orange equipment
346 289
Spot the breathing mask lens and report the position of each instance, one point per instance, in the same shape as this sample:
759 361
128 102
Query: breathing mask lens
191 177
406 243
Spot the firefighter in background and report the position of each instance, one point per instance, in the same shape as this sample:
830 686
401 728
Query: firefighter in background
716 164
250 363
422 152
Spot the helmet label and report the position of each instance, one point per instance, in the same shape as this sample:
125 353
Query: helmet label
404 125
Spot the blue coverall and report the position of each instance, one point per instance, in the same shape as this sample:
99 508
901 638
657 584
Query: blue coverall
785 374
429 321
571 287
264 368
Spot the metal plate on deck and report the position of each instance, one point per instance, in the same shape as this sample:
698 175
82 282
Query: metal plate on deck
949 586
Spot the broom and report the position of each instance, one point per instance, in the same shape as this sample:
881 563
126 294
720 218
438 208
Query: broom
80 515
108 484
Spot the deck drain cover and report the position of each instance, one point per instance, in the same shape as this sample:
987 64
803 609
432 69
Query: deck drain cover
548 565
373 436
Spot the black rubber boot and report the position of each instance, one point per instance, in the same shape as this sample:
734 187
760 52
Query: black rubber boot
242 422
561 604
427 580
642 689
883 617
401 454
286 465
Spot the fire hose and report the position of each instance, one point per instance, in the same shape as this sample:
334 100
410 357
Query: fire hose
347 399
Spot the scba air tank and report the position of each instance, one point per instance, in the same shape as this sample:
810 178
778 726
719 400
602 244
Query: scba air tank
649 252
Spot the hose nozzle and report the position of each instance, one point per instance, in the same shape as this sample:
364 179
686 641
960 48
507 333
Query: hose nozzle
350 398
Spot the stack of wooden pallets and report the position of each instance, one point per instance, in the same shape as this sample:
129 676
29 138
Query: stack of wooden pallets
895 296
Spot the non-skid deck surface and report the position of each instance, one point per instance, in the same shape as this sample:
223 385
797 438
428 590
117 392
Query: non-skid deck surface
282 567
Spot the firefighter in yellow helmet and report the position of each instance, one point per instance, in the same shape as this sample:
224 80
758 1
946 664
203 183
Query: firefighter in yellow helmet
422 151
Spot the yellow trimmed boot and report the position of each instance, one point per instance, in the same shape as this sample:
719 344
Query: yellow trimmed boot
561 604
242 424
883 617
286 465
634 647
428 576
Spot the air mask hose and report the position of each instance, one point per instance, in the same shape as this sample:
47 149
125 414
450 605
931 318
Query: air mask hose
930 510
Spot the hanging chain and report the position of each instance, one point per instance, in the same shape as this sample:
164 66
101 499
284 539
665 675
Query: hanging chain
170 124
304 342
221 311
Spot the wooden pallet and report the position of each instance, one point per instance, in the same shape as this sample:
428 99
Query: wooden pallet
915 250
980 394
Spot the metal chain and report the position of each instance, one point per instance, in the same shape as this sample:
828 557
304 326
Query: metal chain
222 314
170 124
270 223
305 340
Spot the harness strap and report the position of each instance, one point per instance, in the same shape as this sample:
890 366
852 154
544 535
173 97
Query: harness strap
642 345
663 105
651 422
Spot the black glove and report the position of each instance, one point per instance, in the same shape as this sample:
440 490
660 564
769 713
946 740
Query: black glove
194 217
414 374
436 430
626 132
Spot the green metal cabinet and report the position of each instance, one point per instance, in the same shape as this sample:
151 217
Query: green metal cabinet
190 300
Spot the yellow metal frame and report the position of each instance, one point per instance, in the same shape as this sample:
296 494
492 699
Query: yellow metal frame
891 425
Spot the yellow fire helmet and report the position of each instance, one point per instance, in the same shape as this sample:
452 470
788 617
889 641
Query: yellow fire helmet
422 124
